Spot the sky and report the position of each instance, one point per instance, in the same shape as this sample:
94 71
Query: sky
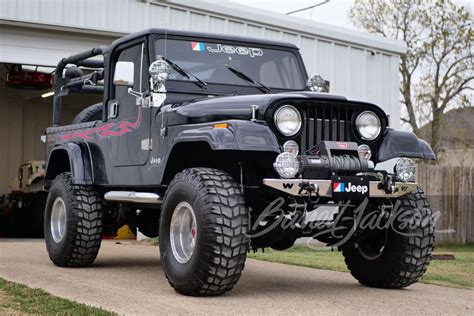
335 12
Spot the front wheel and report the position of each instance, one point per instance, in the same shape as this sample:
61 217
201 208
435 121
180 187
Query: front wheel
398 256
72 223
203 225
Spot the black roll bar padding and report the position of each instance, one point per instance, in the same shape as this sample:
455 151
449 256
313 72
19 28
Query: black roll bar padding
92 78
92 89
91 63
60 81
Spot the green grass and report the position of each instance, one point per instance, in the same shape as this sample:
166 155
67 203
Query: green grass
18 299
453 273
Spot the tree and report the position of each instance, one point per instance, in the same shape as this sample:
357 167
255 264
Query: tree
437 72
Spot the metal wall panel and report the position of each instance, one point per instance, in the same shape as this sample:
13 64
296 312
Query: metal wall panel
354 70
43 47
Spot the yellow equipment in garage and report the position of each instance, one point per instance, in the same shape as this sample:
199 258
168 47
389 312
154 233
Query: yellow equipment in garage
125 233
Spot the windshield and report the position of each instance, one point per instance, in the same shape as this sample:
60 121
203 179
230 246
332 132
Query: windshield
210 62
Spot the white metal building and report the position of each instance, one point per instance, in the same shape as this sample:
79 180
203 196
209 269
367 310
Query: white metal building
41 32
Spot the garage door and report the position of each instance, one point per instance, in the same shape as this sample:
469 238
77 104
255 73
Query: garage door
43 47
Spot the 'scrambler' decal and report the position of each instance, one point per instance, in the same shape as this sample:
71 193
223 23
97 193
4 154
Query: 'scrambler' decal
107 130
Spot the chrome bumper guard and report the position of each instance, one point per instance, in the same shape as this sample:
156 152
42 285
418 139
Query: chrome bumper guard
323 187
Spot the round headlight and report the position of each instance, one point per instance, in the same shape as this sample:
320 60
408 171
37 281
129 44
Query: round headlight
368 125
286 165
288 120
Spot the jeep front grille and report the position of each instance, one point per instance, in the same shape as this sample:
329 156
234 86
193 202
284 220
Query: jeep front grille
325 121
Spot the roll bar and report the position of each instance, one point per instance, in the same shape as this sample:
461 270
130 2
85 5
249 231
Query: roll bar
62 84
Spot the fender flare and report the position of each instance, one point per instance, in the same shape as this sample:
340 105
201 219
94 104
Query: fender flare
84 161
397 143
239 135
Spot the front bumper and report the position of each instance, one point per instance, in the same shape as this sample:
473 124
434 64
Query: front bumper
323 187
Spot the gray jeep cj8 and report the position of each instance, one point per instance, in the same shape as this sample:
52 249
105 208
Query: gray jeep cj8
220 145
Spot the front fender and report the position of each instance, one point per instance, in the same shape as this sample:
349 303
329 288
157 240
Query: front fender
397 143
239 135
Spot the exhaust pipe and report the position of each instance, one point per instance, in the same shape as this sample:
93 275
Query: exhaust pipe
133 197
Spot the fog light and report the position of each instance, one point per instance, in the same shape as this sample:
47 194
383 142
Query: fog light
286 165
364 151
405 170
291 147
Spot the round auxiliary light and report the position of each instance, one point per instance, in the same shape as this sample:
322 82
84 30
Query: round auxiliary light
288 120
368 125
286 165
291 147
405 169
364 151
159 70
316 83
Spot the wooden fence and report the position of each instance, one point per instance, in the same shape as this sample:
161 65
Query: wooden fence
450 193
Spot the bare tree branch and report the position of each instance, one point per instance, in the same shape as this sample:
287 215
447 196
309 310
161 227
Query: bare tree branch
437 70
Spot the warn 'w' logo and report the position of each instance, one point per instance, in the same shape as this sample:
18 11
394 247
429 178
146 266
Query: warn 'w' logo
288 185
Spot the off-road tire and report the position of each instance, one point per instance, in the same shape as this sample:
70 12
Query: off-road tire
406 257
221 242
89 114
81 242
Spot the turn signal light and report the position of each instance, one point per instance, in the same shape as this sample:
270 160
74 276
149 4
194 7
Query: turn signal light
220 125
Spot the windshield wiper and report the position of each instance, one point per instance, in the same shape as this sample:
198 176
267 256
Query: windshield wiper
185 73
243 76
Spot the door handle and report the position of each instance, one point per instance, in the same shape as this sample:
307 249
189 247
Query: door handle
113 110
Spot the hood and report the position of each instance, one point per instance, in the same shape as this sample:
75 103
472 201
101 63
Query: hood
238 107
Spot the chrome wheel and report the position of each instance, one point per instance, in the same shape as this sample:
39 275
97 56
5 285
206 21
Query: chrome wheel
183 232
58 220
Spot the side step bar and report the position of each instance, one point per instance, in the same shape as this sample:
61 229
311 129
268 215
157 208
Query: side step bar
133 197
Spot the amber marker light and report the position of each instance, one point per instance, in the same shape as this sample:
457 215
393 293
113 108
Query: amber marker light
220 125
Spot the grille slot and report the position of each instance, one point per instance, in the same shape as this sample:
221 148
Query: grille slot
325 121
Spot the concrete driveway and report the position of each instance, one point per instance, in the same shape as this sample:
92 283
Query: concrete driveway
129 279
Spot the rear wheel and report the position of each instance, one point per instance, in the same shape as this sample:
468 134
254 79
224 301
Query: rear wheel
73 223
203 225
398 256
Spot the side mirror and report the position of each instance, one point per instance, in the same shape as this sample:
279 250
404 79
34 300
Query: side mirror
159 71
317 83
124 73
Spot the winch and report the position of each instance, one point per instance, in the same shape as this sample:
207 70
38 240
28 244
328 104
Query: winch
333 157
